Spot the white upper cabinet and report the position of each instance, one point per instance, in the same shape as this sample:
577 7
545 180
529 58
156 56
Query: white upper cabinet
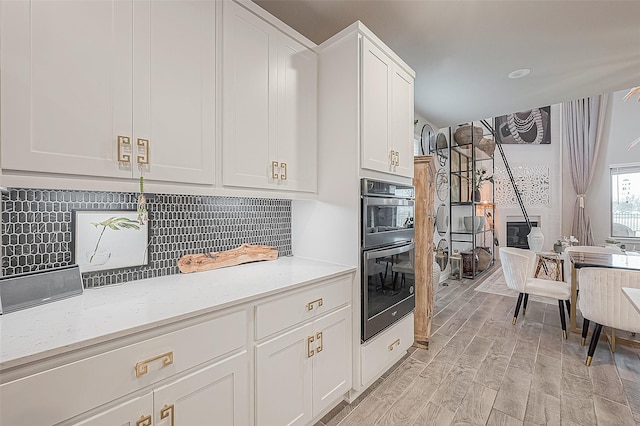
297 115
66 85
82 79
174 88
402 117
269 96
387 113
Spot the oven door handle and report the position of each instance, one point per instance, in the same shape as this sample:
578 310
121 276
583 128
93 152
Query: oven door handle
375 201
388 252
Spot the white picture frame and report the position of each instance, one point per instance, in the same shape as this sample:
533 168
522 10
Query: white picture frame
109 239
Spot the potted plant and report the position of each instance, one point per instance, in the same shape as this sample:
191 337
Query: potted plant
558 247
560 244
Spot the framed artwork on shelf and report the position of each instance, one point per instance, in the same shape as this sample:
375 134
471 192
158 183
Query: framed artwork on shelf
109 239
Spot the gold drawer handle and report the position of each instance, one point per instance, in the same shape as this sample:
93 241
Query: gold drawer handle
283 171
142 367
274 167
310 304
391 346
167 411
319 339
144 421
310 352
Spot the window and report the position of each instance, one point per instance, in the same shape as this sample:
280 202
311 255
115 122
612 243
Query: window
625 200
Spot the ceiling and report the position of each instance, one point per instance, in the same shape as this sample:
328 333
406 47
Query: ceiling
462 51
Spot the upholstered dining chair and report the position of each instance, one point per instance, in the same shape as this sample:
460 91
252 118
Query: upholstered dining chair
601 301
584 249
567 271
516 266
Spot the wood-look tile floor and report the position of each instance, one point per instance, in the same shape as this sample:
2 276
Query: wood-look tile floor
482 370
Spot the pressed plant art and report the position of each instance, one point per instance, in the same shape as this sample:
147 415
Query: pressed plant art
109 240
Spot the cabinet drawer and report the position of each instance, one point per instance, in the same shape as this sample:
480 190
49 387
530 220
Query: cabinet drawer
385 349
71 389
292 309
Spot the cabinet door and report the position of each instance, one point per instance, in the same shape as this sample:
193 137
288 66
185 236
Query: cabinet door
332 369
217 395
66 85
136 412
283 379
249 96
297 106
402 120
174 83
376 103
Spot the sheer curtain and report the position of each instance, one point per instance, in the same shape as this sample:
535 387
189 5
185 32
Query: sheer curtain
583 122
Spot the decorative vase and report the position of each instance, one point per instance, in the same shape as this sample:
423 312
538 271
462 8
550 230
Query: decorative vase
477 196
558 248
535 239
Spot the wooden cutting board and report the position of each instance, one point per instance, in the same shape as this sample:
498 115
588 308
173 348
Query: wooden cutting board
220 259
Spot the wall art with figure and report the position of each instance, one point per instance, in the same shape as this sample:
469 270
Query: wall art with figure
532 127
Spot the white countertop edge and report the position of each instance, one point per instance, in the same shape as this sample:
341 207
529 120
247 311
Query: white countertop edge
20 335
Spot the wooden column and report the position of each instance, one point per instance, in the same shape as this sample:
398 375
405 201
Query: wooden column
423 179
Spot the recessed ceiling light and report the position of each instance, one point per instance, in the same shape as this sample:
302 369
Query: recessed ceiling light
519 73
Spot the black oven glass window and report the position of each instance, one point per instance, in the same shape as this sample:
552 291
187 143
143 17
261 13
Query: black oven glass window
388 218
390 280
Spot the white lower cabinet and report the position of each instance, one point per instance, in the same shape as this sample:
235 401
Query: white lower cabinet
283 379
137 411
198 372
215 395
302 372
72 391
385 349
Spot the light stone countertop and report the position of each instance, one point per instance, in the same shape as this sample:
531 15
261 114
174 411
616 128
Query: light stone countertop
118 310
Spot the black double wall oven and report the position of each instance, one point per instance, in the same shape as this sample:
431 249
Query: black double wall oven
388 254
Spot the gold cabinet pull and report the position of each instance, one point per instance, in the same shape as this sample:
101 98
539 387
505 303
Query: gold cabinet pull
274 167
310 304
391 161
142 367
283 171
310 352
395 158
143 152
319 339
167 411
144 421
124 149
391 346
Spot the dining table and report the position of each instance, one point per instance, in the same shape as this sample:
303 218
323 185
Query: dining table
580 260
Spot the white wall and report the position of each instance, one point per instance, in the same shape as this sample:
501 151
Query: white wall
621 127
550 216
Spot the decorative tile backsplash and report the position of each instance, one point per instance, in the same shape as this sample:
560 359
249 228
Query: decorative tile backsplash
37 229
